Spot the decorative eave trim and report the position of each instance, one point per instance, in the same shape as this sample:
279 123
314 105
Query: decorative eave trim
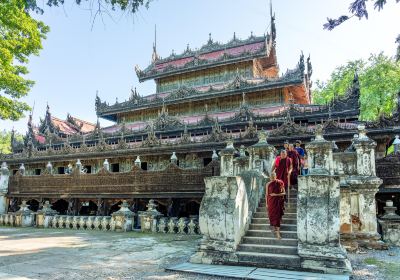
190 94
150 72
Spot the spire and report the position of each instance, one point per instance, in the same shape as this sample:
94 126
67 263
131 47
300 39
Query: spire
273 27
154 56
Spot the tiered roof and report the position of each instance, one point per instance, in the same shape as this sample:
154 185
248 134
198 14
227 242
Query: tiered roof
209 55
237 85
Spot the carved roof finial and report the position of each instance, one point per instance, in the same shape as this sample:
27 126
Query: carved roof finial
154 56
301 63
273 27
234 36
309 67
210 41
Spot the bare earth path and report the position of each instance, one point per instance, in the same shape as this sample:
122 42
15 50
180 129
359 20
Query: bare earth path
67 254
74 255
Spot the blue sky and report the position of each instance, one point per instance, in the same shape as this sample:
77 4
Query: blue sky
77 60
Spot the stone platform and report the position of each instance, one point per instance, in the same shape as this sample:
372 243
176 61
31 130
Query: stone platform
243 272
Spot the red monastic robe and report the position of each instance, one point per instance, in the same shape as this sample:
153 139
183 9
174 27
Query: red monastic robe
275 204
282 167
295 157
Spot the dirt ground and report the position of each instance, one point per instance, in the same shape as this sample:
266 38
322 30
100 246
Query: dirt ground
69 254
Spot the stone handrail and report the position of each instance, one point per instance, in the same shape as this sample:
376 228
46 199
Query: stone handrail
171 225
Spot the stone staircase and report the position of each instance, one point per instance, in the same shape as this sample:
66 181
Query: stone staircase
259 247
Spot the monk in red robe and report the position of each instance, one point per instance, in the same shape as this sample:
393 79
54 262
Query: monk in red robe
295 157
275 202
283 168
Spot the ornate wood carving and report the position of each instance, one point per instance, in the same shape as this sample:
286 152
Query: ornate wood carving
170 180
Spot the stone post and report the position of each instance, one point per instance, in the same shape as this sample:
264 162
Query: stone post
214 155
364 185
79 166
22 169
4 177
318 213
224 213
320 155
44 216
149 218
123 219
49 168
263 154
106 165
138 162
174 158
390 223
241 163
227 155
24 217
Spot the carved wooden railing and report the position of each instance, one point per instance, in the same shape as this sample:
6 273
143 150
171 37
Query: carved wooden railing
388 169
170 180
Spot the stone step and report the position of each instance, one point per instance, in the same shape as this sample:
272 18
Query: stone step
268 233
270 249
290 202
289 199
287 208
267 227
269 241
266 221
263 214
269 260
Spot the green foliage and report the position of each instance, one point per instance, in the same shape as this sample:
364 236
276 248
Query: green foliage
5 141
20 37
379 81
124 5
358 8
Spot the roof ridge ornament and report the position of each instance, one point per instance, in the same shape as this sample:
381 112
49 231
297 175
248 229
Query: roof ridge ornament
155 56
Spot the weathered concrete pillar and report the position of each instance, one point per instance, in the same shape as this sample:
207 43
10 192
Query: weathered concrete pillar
150 217
390 223
262 154
49 168
138 163
318 213
227 154
123 219
24 217
174 158
320 156
364 185
241 163
44 215
4 178
224 215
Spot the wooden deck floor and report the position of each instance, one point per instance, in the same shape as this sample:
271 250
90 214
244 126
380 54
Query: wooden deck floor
243 272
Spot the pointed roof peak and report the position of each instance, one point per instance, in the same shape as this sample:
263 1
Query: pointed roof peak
155 56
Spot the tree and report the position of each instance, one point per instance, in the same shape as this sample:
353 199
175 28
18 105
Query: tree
5 141
358 8
20 37
379 81
125 5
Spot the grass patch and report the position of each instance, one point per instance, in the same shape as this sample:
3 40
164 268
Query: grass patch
391 270
371 261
